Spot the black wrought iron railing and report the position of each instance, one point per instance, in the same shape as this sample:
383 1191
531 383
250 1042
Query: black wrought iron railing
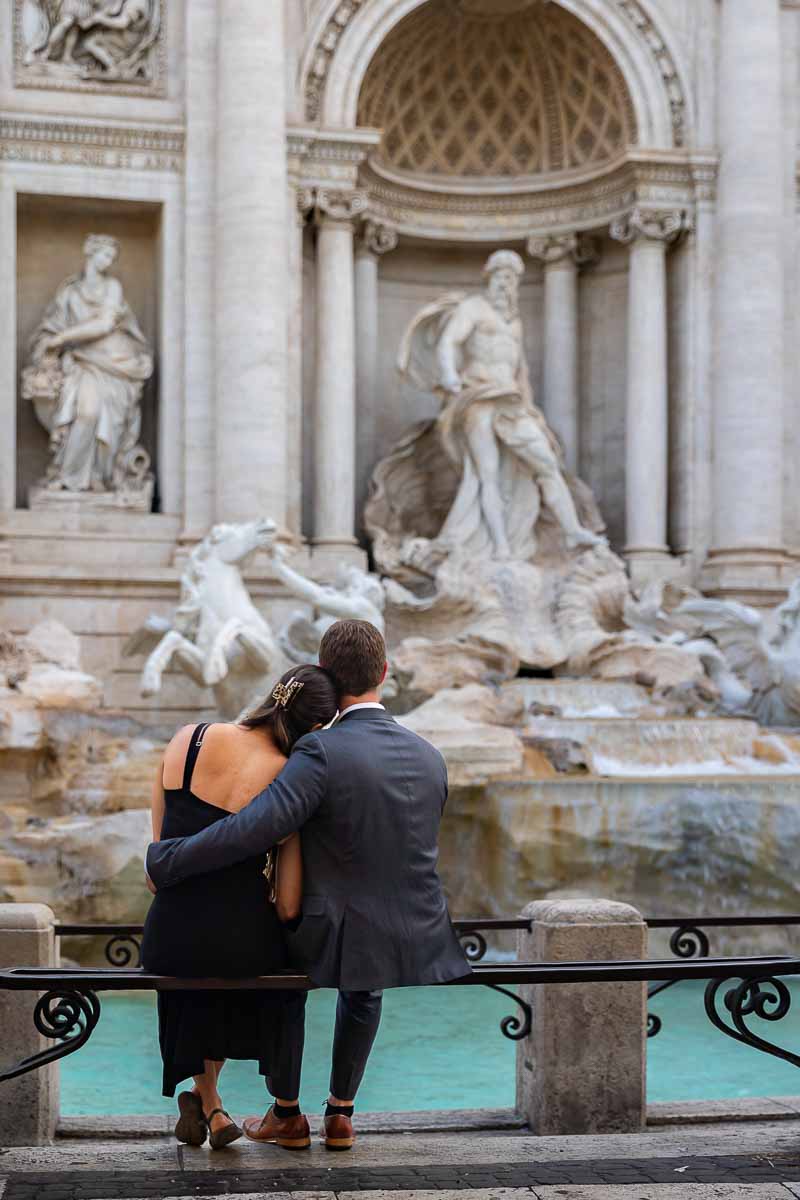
689 941
67 1005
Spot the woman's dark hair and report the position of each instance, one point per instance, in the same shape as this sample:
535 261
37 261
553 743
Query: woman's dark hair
302 698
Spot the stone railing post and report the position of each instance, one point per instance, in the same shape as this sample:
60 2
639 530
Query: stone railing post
28 1105
582 1068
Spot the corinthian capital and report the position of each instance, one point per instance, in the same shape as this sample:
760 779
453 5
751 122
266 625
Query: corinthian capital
548 250
376 238
655 225
336 204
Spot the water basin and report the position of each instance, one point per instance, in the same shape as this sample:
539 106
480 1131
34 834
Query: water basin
438 1048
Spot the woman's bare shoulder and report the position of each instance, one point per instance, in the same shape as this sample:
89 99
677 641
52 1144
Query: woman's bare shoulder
214 737
225 744
175 756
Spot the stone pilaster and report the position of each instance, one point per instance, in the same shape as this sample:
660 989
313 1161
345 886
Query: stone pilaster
373 241
562 258
199 490
301 203
747 538
648 234
251 265
335 433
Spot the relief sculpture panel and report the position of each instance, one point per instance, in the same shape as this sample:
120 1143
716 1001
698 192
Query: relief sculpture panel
90 44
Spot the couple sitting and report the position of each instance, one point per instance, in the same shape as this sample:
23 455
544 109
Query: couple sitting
347 819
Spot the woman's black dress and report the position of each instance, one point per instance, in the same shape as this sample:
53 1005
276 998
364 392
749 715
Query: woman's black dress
219 924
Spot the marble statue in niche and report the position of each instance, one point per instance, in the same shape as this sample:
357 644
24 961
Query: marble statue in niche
493 553
89 361
101 40
509 461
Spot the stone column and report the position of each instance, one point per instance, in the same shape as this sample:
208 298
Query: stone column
251 265
790 78
582 1067
562 257
374 240
747 547
647 407
335 432
301 202
29 1104
8 351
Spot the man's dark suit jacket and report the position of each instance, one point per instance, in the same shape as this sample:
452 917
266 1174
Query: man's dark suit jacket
368 795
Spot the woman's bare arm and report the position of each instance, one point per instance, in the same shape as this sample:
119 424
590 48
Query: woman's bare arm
156 812
289 899
157 802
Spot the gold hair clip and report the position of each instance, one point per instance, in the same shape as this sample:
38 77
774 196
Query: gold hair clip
284 693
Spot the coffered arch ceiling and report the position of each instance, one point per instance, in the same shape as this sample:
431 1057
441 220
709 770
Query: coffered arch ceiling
465 90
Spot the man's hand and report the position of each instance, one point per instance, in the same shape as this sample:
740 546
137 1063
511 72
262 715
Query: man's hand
151 887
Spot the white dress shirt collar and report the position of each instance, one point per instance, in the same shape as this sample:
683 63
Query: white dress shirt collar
366 704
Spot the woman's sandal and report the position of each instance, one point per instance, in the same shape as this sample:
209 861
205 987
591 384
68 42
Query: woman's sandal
222 1137
192 1127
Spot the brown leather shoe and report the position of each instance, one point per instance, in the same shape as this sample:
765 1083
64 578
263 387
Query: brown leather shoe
292 1133
337 1132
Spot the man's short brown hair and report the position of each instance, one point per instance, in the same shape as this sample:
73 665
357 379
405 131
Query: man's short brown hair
354 655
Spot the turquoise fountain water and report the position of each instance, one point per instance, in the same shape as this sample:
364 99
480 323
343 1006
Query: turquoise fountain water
438 1048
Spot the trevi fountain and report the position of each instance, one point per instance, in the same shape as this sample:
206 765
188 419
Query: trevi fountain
470 319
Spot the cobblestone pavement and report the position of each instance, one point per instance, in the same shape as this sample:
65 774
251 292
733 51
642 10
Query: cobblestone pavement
745 1162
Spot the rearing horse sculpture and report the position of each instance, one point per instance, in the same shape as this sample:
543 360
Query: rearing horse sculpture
216 636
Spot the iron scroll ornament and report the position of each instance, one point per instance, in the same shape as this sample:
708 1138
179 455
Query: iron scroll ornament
515 1026
768 998
474 945
124 950
689 942
686 941
67 1014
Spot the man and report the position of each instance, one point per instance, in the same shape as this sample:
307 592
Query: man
509 459
368 796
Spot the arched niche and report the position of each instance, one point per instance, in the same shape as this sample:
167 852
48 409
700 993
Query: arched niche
348 33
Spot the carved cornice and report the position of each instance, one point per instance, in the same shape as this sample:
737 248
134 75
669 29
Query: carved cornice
651 225
377 239
582 250
638 18
328 157
347 146
539 207
36 140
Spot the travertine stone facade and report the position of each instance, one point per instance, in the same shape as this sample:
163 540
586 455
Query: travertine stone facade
290 181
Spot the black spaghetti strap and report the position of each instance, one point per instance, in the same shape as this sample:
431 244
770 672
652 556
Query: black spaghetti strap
198 733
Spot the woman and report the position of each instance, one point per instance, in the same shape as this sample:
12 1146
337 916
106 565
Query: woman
228 923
